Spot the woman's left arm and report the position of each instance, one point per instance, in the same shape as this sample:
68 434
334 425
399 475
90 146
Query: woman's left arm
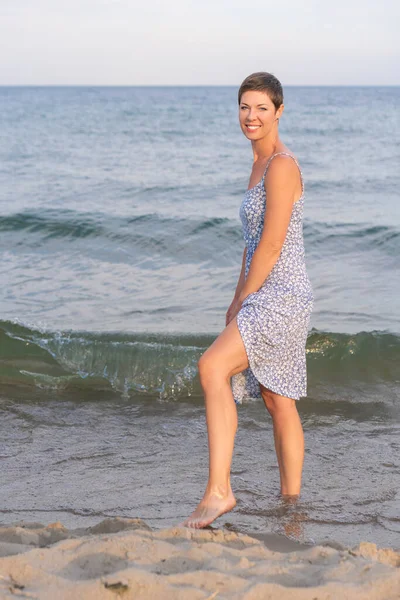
281 181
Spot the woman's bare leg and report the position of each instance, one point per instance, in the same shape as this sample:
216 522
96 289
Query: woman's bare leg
289 440
225 357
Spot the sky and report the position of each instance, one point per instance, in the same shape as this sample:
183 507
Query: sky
198 42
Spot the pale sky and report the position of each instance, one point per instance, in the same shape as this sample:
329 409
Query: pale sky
199 42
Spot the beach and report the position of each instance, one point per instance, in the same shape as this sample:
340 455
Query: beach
117 270
125 558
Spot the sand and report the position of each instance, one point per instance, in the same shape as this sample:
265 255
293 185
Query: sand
124 558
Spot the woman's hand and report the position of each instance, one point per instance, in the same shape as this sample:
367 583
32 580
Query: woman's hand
233 310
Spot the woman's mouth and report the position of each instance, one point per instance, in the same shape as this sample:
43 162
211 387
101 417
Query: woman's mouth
252 127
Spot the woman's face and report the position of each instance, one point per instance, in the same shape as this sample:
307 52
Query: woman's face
257 114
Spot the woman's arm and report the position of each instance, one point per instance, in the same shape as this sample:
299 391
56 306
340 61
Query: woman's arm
240 283
282 176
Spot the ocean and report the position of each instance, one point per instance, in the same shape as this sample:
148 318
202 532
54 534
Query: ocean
121 247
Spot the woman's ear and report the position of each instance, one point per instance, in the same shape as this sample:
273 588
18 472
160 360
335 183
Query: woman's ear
280 111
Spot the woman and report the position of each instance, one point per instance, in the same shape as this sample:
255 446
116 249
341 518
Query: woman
261 351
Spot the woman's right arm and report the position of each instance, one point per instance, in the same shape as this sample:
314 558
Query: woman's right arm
241 281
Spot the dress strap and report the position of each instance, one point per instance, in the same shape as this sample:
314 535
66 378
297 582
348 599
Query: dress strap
291 156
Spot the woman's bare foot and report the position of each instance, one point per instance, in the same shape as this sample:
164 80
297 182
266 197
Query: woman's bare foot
213 505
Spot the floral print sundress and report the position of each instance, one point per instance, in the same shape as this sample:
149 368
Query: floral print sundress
274 320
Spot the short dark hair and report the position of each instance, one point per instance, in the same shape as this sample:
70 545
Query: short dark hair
263 82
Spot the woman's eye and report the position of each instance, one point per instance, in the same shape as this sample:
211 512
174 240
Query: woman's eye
245 107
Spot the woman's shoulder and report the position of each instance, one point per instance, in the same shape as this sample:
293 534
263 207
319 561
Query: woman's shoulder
283 162
283 153
283 171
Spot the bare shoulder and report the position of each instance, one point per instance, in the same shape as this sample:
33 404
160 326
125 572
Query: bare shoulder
286 160
283 170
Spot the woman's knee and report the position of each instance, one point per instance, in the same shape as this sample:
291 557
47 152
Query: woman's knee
278 406
209 368
205 367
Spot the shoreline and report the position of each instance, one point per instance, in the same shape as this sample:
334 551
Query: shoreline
125 557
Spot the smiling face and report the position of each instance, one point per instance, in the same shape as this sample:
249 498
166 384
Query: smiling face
257 114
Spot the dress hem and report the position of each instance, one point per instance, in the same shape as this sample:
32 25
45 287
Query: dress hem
281 392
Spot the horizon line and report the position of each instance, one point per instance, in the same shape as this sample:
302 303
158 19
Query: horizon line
195 85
